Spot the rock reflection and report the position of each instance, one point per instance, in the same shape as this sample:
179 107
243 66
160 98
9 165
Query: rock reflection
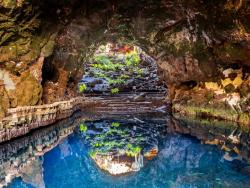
232 138
23 157
122 144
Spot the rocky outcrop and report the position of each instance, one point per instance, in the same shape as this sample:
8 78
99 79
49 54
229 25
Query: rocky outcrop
206 66
195 44
23 49
225 99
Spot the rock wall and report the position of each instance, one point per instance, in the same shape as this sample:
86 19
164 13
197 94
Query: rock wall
20 121
23 47
201 47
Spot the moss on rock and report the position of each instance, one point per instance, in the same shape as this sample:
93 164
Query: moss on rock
212 113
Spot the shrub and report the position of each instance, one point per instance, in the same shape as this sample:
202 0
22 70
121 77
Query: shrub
82 87
132 59
115 124
133 150
104 59
114 90
116 81
83 127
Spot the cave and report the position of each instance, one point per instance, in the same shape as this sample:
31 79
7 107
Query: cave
133 93
115 68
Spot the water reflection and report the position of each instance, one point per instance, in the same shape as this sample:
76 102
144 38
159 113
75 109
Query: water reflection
232 138
123 145
21 157
58 156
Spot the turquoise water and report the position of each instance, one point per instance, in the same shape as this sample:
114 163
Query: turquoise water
182 162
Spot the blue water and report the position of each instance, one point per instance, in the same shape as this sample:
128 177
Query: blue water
182 162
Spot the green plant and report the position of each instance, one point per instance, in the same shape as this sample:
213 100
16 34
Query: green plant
104 59
132 59
83 127
101 75
115 124
114 90
140 71
103 64
82 87
98 144
124 76
116 81
92 154
133 150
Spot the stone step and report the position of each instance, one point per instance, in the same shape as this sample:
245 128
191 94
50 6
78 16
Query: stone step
125 102
129 99
124 112
122 108
128 94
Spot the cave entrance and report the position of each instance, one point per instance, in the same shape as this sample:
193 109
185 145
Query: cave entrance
115 68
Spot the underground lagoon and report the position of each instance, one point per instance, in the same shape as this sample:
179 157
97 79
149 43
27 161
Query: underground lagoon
143 93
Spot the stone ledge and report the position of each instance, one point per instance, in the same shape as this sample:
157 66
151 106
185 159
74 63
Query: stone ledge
20 121
212 113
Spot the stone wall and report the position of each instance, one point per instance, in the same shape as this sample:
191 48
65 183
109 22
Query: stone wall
20 121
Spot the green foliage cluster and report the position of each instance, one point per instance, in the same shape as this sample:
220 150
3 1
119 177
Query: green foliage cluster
83 127
116 81
132 59
133 150
114 90
130 151
82 87
104 143
104 63
115 124
125 67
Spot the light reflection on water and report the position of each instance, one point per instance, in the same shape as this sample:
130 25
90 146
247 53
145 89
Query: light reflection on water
182 162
